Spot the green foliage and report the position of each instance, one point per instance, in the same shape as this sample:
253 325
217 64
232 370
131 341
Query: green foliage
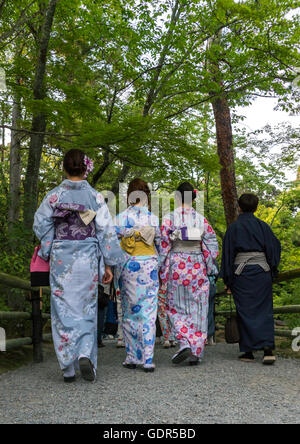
288 293
3 305
131 83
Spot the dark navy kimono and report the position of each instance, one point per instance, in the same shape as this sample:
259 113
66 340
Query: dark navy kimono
252 289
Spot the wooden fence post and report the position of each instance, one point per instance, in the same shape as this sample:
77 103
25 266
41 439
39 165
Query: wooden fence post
37 327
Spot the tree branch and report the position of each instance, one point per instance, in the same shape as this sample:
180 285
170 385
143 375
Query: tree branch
207 99
276 214
102 169
21 21
151 94
45 133
1 6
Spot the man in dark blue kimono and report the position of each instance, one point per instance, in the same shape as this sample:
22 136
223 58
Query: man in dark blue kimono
251 255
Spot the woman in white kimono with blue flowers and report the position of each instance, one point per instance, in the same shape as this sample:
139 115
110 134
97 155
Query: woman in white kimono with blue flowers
139 233
76 232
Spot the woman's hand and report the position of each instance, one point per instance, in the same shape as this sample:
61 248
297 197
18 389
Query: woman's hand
227 289
160 280
108 275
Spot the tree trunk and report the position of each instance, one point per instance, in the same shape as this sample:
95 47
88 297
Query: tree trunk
2 150
15 166
2 143
99 173
226 157
122 176
39 121
152 93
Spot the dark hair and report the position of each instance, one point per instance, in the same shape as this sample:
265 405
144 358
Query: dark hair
135 186
248 202
187 192
74 163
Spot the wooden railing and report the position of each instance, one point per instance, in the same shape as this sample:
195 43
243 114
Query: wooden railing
287 309
37 317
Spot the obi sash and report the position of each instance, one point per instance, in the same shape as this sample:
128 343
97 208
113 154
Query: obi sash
180 246
139 241
73 222
251 258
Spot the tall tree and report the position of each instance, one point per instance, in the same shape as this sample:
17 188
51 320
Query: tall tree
39 119
15 161
127 82
226 158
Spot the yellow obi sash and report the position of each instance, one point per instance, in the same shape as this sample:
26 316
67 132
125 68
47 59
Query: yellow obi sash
139 242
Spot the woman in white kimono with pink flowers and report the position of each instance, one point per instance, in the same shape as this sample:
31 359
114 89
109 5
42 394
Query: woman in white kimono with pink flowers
77 235
188 248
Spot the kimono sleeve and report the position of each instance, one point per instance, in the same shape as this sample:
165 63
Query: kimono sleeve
210 247
227 263
157 238
106 235
43 225
165 248
121 225
272 249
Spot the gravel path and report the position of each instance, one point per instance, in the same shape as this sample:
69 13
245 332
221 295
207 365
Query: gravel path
220 390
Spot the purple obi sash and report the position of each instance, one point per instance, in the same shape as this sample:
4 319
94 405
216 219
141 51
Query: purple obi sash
69 223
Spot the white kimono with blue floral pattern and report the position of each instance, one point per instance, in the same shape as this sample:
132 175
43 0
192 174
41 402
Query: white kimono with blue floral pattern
137 279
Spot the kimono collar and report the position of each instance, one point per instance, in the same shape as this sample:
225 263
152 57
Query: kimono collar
246 215
139 209
72 185
186 209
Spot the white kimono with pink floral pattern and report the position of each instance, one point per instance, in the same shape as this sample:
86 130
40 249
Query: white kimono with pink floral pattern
186 275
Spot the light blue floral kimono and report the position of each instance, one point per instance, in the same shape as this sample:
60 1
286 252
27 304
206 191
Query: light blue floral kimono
76 231
137 279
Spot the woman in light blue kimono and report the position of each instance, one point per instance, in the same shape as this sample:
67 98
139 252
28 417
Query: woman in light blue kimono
137 278
76 232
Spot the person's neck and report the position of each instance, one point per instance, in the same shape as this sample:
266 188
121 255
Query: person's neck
138 205
75 178
247 212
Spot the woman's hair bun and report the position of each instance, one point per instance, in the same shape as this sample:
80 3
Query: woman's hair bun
187 191
135 186
74 163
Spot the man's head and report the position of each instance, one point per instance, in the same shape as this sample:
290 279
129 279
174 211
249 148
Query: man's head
248 203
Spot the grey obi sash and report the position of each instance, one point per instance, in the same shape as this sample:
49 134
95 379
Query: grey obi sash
180 246
186 240
250 258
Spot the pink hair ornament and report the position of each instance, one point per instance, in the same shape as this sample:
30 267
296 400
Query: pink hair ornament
89 166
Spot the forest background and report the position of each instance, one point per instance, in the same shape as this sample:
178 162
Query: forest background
153 89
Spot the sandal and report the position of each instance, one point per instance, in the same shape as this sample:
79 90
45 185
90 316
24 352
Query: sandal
247 357
149 369
69 378
268 358
130 366
86 369
182 355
